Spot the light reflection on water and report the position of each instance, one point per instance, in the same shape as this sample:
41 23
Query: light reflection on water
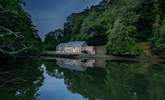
55 89
80 64
64 79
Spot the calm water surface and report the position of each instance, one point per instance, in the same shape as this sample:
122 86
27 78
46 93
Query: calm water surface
85 79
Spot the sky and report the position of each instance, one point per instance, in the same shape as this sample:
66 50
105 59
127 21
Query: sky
49 15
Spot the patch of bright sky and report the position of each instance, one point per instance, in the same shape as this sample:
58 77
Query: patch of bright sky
49 15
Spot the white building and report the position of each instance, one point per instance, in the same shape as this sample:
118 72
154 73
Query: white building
76 47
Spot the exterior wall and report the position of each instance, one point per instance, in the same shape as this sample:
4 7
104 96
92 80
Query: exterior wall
71 47
74 48
69 50
99 50
89 49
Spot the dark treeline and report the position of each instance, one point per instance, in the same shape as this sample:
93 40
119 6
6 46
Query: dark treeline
126 27
17 34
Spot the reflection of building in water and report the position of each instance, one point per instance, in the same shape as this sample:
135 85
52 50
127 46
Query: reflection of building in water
80 64
70 64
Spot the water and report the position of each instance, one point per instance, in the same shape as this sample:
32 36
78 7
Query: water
85 79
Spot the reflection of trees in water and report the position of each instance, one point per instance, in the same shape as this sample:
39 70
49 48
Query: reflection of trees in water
126 82
157 81
20 80
119 81
85 83
89 84
52 69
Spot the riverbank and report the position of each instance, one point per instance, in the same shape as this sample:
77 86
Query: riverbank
142 58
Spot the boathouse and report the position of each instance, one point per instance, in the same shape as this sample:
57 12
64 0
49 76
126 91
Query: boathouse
76 47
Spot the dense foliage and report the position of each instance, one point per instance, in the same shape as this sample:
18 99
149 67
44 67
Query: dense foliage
52 39
159 40
17 34
122 25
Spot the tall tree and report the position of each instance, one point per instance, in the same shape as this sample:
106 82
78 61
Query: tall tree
17 33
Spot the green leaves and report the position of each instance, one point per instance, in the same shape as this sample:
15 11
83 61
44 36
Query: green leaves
159 41
120 40
121 25
18 35
52 39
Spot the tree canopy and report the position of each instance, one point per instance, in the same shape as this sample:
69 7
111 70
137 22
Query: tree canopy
17 34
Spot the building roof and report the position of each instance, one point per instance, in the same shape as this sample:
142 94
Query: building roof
72 44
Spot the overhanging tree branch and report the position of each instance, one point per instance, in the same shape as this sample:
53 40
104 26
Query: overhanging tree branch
10 32
15 52
3 10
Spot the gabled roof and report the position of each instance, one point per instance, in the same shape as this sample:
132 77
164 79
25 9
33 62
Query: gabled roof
72 44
